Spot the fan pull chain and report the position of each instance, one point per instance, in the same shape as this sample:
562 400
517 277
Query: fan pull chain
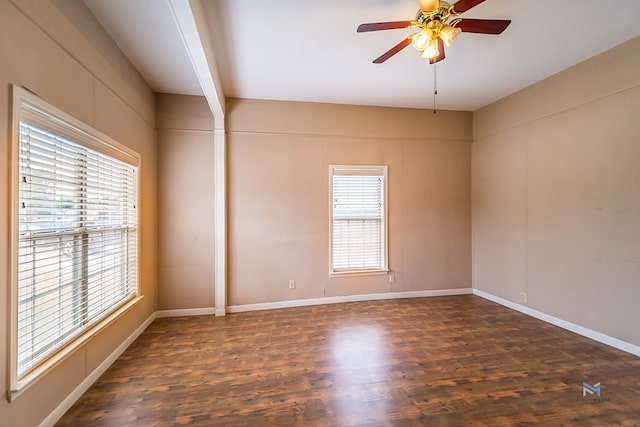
435 87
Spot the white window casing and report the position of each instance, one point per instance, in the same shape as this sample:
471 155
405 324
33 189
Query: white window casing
358 220
74 236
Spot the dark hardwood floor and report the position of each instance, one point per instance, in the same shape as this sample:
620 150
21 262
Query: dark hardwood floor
448 361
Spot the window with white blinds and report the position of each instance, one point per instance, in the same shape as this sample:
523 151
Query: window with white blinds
358 219
77 231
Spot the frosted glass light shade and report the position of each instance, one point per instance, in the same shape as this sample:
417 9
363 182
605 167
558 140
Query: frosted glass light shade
431 51
448 34
420 40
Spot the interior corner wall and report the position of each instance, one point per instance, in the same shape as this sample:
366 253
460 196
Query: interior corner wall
185 202
58 50
278 185
556 195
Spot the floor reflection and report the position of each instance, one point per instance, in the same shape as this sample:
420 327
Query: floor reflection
360 356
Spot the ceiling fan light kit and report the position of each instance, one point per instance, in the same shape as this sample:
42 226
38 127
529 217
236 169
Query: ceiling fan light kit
439 26
434 23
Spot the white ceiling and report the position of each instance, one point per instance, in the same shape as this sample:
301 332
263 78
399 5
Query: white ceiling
299 50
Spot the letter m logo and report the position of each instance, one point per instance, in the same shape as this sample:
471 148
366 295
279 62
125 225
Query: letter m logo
588 388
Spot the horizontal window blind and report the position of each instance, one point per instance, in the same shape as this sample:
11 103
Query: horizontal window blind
358 219
77 236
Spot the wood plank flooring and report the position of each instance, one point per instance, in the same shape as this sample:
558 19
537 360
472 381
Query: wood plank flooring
447 361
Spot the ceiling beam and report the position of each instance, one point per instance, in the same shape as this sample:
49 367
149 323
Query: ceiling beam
194 30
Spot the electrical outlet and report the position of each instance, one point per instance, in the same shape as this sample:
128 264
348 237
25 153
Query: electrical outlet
292 284
523 297
392 279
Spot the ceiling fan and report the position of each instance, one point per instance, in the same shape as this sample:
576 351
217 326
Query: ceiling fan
439 26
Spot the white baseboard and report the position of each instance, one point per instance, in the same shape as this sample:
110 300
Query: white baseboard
186 312
68 402
580 330
346 298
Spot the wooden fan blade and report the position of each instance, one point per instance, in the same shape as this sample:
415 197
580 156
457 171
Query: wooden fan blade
441 56
483 26
377 26
397 48
464 5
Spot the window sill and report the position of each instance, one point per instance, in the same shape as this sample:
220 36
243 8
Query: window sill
24 383
359 273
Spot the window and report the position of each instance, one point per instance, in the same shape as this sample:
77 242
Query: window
75 248
358 219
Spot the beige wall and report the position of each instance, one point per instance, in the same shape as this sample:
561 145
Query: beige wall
278 159
57 50
185 203
556 205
